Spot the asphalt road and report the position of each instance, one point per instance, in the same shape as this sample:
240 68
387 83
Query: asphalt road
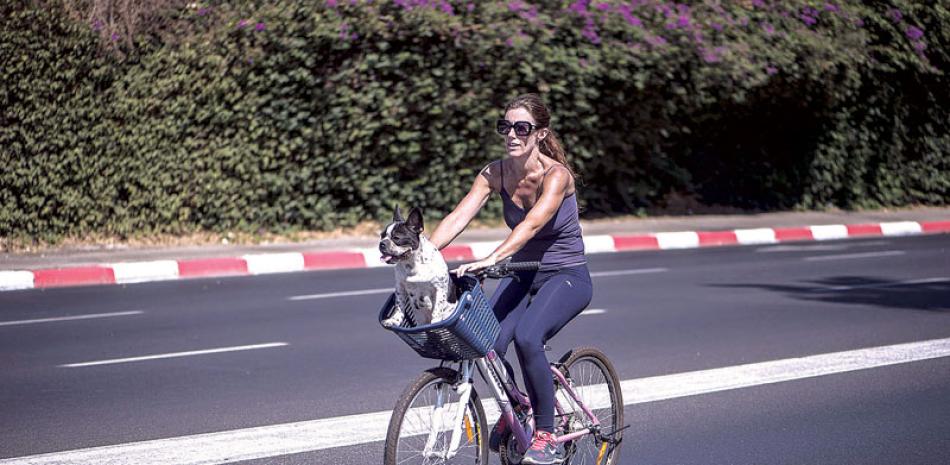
282 356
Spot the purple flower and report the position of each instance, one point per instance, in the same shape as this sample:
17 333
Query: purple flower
716 26
202 11
515 5
771 70
809 20
579 7
446 8
624 11
710 56
683 21
914 33
259 27
97 25
115 36
769 28
590 33
331 3
470 6
656 41
896 15
859 22
242 23
758 3
582 62
832 7
920 47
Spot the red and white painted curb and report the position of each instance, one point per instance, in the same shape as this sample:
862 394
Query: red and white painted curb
255 264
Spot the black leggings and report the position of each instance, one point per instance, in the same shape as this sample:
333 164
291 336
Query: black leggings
554 299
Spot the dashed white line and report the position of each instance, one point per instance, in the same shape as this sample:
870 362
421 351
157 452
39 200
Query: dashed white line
69 318
306 436
175 355
594 311
599 274
848 256
882 284
328 295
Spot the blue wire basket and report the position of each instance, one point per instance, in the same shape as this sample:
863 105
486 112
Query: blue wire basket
469 332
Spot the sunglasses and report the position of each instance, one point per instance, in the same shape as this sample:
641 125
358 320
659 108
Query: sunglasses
522 128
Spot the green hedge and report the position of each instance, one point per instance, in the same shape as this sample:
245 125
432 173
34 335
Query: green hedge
319 114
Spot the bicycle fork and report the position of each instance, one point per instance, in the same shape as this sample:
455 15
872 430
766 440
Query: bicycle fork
464 389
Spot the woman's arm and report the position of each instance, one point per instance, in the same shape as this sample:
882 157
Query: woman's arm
454 223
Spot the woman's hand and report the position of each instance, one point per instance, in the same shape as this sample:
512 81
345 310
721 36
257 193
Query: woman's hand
475 266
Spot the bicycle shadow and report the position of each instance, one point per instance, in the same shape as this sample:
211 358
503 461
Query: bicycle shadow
931 294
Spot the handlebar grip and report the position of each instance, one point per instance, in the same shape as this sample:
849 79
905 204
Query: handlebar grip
522 266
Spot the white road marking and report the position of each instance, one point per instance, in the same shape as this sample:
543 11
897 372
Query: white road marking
756 236
677 240
901 228
274 262
175 355
847 256
329 295
594 311
877 285
599 274
138 272
829 231
69 318
11 280
305 436
599 244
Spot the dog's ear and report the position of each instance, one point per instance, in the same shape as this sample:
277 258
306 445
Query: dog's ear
415 220
397 215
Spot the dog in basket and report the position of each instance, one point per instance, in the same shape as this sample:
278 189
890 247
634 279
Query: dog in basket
424 291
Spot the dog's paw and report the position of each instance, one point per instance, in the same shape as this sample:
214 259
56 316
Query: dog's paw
394 320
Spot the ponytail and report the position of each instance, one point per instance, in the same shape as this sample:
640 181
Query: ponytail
552 147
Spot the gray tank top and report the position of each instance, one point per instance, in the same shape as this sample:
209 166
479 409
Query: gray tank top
558 244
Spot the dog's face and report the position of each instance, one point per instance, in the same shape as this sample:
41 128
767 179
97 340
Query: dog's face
401 237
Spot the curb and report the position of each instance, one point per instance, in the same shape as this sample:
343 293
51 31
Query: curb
255 264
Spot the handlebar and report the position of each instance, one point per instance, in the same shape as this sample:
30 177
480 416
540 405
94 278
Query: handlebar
506 269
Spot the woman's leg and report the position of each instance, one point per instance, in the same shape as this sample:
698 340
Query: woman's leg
558 301
508 303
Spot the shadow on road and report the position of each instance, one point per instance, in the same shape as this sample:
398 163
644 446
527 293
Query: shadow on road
923 294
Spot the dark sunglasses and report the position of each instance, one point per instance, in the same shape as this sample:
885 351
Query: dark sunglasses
522 128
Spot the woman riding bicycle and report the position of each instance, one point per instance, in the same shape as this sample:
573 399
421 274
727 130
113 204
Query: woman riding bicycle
536 185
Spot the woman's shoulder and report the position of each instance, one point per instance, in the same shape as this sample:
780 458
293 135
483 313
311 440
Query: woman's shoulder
492 173
557 174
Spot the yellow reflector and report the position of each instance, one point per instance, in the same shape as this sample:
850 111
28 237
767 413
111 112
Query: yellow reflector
468 429
603 448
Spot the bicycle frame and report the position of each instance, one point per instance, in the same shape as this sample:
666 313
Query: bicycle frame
504 393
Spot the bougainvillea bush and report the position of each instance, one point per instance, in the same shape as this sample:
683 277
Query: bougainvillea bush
272 116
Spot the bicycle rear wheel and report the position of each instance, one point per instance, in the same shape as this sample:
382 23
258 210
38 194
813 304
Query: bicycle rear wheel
596 384
417 421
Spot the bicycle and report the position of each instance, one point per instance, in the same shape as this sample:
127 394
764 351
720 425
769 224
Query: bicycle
439 418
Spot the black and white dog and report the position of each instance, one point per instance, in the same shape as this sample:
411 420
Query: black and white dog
424 290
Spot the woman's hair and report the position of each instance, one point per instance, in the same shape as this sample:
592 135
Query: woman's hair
550 145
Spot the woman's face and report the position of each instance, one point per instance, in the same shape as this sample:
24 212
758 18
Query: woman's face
520 146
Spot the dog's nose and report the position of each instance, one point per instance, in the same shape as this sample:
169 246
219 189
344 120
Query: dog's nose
382 247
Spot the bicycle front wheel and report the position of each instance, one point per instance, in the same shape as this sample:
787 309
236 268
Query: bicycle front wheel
593 379
423 424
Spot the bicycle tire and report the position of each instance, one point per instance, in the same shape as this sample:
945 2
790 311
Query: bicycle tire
587 448
400 433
